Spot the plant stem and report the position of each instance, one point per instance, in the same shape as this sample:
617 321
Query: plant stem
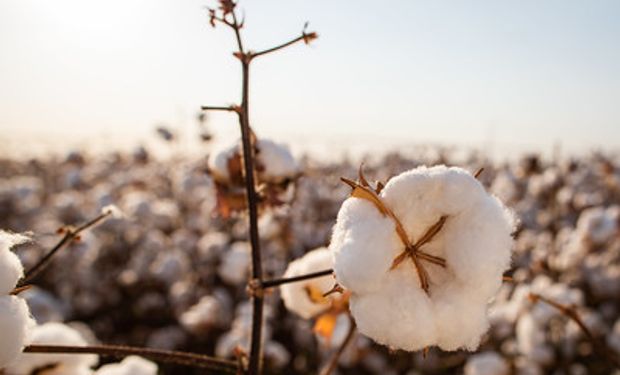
333 361
70 235
164 356
286 280
283 45
570 312
248 161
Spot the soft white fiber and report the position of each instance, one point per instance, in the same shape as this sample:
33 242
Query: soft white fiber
132 365
53 334
274 160
15 323
296 295
11 269
389 305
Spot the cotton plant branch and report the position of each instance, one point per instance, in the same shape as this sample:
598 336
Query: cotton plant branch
226 15
216 365
333 361
70 234
571 312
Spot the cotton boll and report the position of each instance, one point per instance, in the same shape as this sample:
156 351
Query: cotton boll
132 365
209 312
218 161
297 296
598 224
235 264
531 340
53 334
15 324
277 160
487 363
11 268
389 305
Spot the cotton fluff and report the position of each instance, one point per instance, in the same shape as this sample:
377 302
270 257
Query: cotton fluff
487 363
389 305
297 296
53 334
235 264
132 365
274 160
15 324
11 269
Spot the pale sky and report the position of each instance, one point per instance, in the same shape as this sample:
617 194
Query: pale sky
518 72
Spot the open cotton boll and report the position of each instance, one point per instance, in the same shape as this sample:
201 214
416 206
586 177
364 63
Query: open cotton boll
487 363
132 365
53 334
389 305
11 268
277 161
305 297
15 324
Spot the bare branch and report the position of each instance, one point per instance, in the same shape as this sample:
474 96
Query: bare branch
571 313
217 365
70 235
303 37
333 361
286 280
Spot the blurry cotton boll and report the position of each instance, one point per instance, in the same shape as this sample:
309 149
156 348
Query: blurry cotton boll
15 327
388 301
235 265
275 163
487 363
11 268
305 298
23 194
210 312
132 365
170 266
54 334
599 224
613 337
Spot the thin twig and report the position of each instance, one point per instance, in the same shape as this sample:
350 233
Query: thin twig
70 235
570 312
281 46
216 108
333 361
286 280
163 356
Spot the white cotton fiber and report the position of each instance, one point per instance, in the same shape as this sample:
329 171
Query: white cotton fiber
132 365
297 296
277 161
487 363
598 224
11 268
15 324
389 305
53 334
274 160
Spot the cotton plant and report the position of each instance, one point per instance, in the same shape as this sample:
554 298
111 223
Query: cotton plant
15 319
422 257
276 170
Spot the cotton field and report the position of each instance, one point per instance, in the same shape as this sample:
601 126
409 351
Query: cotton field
168 271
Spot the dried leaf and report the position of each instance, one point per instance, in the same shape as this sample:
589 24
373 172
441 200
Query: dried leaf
325 325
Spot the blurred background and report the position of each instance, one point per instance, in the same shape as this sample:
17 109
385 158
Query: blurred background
504 77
